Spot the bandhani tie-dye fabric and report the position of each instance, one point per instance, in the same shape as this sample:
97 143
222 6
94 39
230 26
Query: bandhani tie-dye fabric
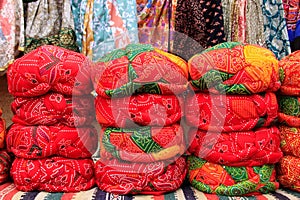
288 173
49 68
35 142
55 174
2 130
5 165
53 108
140 178
142 109
290 140
234 68
289 113
142 144
243 148
11 31
231 181
139 68
289 68
229 113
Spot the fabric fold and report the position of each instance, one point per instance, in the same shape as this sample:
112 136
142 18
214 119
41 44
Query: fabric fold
289 113
290 140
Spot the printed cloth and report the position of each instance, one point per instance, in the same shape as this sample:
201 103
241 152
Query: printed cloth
53 108
289 113
289 69
288 172
229 113
2 130
35 142
142 144
5 165
141 109
53 174
11 31
46 21
275 28
199 25
290 140
104 25
234 68
140 178
243 148
139 68
156 22
49 68
231 181
291 14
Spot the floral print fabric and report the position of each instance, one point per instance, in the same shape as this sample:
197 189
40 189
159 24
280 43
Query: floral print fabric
289 113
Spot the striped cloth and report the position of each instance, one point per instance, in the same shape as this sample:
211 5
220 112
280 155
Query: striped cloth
8 191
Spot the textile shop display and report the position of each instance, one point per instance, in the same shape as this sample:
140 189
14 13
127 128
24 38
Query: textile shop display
53 108
55 174
143 144
289 74
231 181
241 148
11 31
288 172
289 110
49 22
140 178
139 68
229 113
290 140
104 25
36 142
49 68
234 68
142 109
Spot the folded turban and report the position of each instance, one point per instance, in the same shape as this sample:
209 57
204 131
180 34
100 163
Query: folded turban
141 109
49 68
229 113
53 108
289 110
243 148
231 181
143 144
55 174
289 67
2 130
140 178
288 173
139 68
5 165
290 140
35 142
234 68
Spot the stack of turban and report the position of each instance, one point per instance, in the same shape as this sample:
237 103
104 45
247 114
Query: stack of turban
52 135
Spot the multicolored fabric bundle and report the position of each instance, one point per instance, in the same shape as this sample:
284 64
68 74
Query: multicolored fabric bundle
289 113
5 165
140 178
231 181
229 113
139 68
288 172
143 144
290 140
55 174
49 68
234 68
289 74
53 108
144 110
35 142
244 148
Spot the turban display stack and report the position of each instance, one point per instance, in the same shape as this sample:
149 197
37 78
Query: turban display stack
52 136
139 105
289 118
234 143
